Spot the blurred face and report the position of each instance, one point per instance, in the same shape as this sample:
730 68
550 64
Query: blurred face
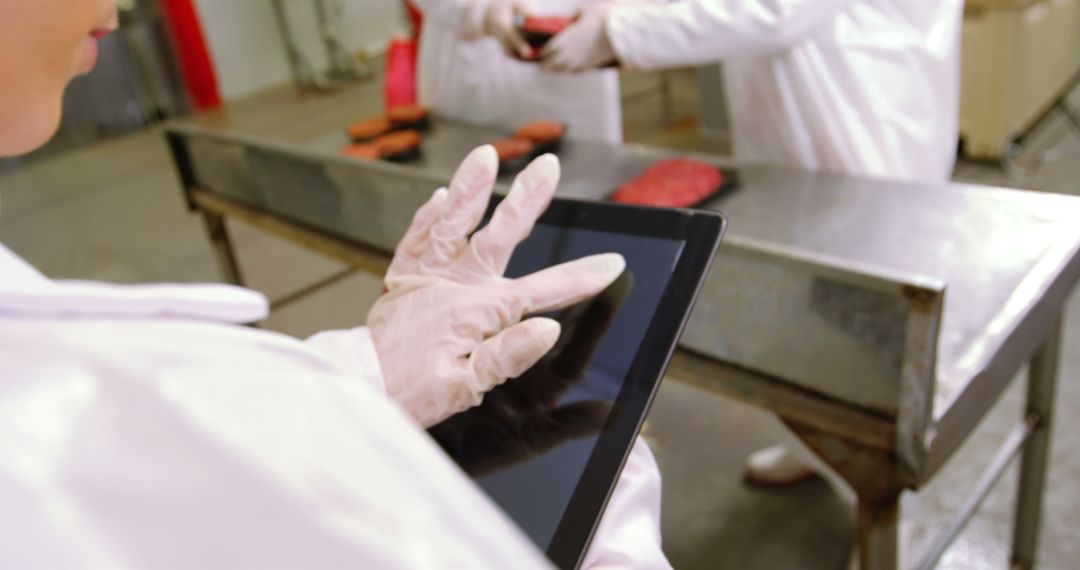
44 44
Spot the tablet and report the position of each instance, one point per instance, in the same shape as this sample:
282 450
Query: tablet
549 445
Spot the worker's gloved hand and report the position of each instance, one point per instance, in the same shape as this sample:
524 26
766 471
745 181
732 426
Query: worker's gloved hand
524 418
449 328
584 45
499 22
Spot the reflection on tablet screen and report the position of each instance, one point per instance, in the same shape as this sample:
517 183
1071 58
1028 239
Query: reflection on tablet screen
528 443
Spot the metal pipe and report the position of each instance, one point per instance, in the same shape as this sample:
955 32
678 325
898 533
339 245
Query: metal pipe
224 252
329 37
1042 382
1072 118
877 535
1013 444
341 65
298 67
315 287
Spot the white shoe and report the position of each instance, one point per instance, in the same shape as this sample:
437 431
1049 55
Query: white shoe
776 466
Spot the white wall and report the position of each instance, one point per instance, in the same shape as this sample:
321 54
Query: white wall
246 46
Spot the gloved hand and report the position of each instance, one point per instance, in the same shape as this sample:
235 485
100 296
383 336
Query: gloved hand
522 418
498 22
449 327
584 45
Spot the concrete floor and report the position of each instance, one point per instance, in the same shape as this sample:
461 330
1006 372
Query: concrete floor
112 211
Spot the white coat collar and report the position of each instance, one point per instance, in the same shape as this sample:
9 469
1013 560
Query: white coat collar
24 291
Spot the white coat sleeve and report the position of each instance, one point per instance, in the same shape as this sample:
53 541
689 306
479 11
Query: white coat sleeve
629 531
353 353
693 32
177 444
464 16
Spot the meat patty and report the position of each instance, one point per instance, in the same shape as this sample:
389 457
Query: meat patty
397 144
368 129
510 149
361 151
540 132
410 116
674 183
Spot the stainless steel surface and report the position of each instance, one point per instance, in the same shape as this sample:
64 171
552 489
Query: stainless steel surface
1042 384
764 294
996 249
990 476
830 283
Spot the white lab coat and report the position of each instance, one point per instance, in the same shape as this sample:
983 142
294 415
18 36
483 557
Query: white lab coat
864 87
139 428
470 78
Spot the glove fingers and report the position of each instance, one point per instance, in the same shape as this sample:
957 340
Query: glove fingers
513 351
470 191
411 248
515 42
512 221
508 33
567 283
581 337
557 61
554 55
554 45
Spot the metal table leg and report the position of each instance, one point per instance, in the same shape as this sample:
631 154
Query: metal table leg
1042 382
878 534
873 474
224 253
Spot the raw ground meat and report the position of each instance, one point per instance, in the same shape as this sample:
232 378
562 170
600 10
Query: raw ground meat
408 116
546 25
368 129
398 142
361 151
539 132
509 149
675 183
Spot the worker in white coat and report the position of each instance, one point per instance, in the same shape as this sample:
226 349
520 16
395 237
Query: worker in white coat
861 87
142 427
471 67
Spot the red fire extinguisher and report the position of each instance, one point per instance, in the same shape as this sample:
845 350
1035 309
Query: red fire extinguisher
399 80
196 67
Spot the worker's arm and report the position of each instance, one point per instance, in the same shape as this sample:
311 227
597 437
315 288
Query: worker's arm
629 531
692 32
473 19
353 353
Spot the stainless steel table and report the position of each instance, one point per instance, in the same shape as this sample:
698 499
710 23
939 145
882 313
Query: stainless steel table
827 304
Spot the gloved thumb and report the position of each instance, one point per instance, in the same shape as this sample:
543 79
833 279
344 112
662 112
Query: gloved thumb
511 352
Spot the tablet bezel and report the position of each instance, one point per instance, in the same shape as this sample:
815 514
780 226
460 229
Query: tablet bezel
701 232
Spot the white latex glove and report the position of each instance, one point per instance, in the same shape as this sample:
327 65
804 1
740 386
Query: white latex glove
449 328
498 22
582 46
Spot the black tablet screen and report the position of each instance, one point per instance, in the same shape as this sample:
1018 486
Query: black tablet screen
527 445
